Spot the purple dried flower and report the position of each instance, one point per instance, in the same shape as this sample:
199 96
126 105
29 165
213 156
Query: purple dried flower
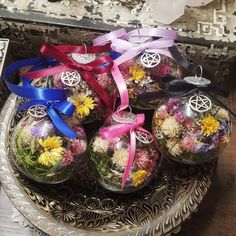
173 105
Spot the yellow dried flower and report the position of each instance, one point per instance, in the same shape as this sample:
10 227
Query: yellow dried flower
50 158
137 73
138 177
51 142
83 105
209 125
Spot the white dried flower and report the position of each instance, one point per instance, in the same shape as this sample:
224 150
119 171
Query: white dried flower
174 147
100 145
120 157
170 127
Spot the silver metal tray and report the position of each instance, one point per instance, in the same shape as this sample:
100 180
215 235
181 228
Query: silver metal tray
80 207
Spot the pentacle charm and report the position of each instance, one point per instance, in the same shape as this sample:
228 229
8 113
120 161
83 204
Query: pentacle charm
83 58
144 137
150 60
200 103
70 78
37 111
199 81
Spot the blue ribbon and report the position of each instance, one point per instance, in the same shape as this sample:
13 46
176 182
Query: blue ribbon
54 111
53 99
28 91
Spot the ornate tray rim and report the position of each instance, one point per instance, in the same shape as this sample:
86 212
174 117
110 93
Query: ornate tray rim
48 224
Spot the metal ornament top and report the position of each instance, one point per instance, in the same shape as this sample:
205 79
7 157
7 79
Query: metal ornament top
150 60
199 81
124 117
37 111
139 39
83 58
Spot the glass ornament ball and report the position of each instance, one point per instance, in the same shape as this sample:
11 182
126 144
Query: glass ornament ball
108 158
142 74
41 153
192 129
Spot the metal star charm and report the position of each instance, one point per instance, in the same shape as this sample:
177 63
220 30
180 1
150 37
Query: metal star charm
70 78
150 60
37 111
144 137
200 103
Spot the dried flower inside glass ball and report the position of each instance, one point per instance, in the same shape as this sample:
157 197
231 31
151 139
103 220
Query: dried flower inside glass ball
192 129
110 156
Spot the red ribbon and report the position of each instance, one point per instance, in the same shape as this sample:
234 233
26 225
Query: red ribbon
68 64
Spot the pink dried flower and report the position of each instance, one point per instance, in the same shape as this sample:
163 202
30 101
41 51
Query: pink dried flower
78 146
104 80
188 143
180 117
143 160
124 68
188 124
162 113
164 70
57 81
68 157
173 105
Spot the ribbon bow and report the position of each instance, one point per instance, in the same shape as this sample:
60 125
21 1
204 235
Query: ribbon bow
107 38
98 66
118 130
28 91
54 111
130 50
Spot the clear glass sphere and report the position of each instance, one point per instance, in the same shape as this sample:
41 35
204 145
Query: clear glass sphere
141 79
42 153
109 158
192 129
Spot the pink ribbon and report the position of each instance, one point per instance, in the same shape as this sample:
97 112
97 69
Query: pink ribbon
130 50
118 130
106 38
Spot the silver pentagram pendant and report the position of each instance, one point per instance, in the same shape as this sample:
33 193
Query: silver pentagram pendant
150 60
70 78
37 111
144 137
199 81
83 58
200 103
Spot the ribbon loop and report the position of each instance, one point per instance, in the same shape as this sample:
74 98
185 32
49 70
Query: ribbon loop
28 91
98 66
54 111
